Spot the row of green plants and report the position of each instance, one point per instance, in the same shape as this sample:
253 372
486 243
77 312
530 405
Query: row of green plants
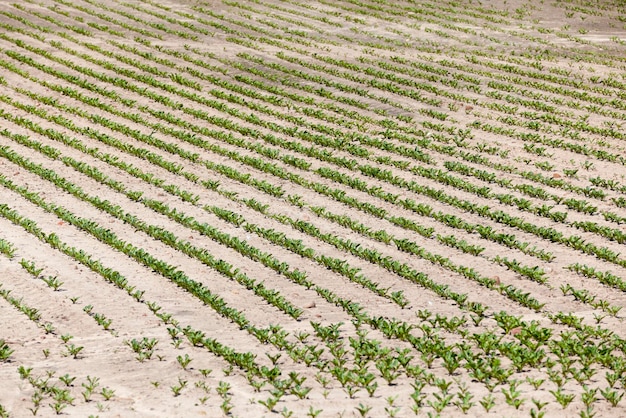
59 396
390 369
189 222
587 191
270 295
91 228
203 228
294 60
194 335
244 360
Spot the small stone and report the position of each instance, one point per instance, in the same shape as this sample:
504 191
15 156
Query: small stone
310 305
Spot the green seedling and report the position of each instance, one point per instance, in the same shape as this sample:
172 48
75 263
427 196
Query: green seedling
177 389
488 402
363 409
53 282
67 379
107 393
74 350
269 403
184 361
5 351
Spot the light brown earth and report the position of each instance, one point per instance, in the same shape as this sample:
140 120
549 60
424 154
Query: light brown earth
578 42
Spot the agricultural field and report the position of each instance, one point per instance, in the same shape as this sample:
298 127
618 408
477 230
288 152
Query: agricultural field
346 208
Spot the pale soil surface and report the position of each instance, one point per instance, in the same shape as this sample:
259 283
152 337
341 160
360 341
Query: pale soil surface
269 192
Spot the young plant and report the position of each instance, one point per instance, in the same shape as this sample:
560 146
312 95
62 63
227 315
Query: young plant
363 409
73 350
107 393
53 282
613 396
269 403
184 361
564 399
67 379
488 402
5 351
313 412
177 389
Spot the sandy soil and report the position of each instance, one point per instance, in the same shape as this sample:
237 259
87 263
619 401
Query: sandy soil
130 89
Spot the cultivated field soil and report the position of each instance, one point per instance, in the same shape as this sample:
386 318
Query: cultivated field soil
346 208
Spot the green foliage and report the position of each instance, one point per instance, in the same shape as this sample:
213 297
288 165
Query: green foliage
344 174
